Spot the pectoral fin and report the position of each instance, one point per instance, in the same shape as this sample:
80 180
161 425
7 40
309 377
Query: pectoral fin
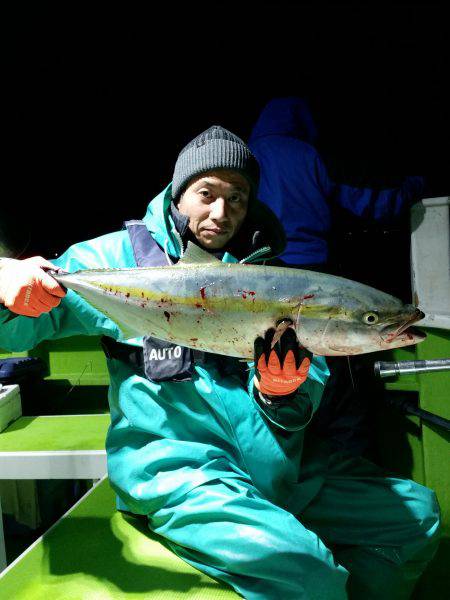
280 329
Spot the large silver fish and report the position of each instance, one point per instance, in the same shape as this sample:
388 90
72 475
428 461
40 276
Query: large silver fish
219 307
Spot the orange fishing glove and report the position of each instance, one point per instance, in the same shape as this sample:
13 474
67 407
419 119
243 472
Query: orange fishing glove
25 287
280 370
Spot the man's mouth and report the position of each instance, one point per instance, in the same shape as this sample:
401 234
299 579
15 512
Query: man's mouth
215 230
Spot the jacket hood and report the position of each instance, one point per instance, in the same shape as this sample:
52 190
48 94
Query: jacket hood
286 116
260 228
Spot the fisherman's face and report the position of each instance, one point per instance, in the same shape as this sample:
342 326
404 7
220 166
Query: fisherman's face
216 204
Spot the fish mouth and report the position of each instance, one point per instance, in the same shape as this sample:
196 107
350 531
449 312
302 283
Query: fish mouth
392 333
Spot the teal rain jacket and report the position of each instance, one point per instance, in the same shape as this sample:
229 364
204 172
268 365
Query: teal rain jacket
167 438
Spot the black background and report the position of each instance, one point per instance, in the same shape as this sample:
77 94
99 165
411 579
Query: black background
100 100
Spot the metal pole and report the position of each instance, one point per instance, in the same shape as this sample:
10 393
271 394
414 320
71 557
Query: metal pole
389 369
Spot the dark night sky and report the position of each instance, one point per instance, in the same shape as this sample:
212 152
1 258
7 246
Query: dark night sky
100 101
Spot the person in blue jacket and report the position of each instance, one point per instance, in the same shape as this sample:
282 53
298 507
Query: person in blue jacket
219 467
295 184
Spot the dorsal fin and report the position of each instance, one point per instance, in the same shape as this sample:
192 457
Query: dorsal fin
194 255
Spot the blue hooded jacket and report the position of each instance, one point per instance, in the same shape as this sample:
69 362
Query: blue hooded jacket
295 183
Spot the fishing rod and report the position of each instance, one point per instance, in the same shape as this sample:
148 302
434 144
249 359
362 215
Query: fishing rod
388 369
407 406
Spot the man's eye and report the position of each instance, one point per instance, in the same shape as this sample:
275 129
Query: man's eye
204 193
235 199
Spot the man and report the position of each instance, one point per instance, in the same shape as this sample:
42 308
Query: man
296 186
209 451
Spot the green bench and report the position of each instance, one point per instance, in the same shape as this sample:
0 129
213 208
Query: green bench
54 447
51 447
97 553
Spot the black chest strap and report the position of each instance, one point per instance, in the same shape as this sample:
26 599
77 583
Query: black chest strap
147 252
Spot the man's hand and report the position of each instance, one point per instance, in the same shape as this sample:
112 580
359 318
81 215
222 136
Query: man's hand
26 289
280 370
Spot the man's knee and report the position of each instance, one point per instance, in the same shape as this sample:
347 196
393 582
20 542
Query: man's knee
428 508
427 523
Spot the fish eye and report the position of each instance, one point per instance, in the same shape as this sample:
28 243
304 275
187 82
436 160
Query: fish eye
370 318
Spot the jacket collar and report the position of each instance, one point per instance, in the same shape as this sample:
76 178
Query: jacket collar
170 228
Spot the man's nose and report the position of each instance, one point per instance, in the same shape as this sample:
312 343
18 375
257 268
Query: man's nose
218 210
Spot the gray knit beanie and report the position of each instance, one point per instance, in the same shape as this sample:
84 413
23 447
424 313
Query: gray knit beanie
215 148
